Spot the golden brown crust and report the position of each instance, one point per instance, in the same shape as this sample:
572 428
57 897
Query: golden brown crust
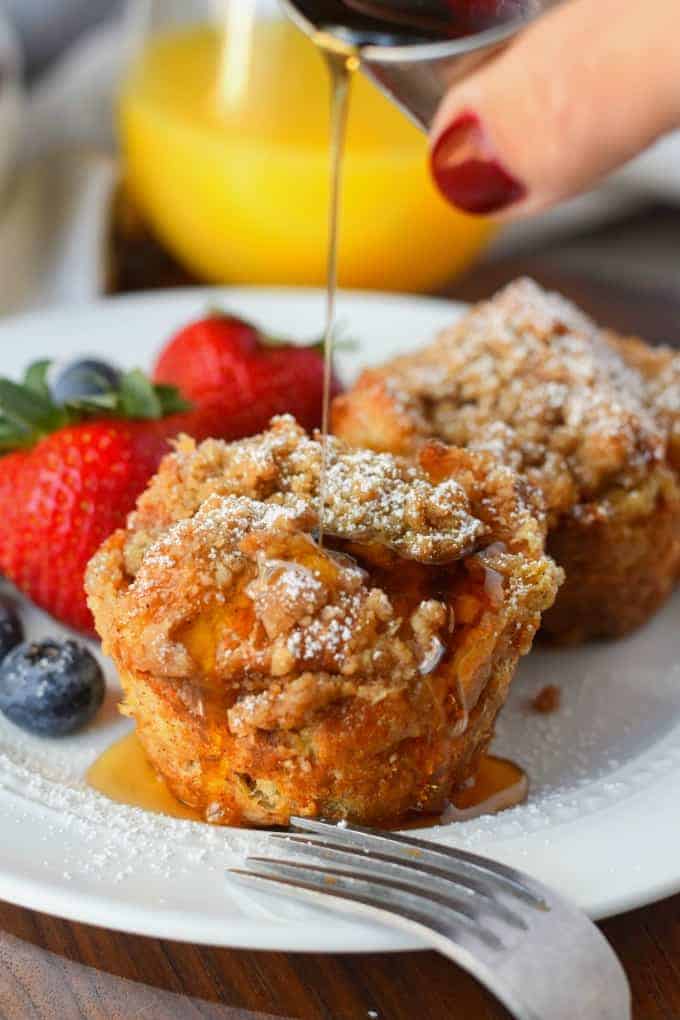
621 560
590 421
660 369
269 676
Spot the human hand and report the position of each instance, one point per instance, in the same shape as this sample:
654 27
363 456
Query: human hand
572 98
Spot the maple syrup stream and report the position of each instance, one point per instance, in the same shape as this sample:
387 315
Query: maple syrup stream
342 63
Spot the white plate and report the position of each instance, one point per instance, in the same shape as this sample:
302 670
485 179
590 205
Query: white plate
601 823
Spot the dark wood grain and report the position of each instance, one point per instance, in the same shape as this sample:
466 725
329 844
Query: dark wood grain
627 276
54 970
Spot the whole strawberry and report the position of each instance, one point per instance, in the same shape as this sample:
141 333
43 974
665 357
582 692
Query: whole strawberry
240 378
73 475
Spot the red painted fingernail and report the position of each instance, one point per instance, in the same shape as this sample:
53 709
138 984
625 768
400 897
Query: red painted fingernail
467 171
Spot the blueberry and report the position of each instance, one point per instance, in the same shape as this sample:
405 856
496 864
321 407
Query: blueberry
11 630
50 687
85 378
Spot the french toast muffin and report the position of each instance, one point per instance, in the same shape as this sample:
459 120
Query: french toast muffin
590 421
269 675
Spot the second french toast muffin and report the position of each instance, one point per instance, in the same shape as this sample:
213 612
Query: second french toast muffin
269 676
591 421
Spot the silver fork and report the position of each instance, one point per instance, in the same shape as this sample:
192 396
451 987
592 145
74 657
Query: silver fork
541 957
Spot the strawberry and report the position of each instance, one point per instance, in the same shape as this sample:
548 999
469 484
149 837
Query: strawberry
73 476
240 378
72 471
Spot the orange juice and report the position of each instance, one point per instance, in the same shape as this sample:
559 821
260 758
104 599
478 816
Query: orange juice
230 165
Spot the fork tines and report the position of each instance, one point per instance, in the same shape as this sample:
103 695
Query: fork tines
456 865
445 889
540 955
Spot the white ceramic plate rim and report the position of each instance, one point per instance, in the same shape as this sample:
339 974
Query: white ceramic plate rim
609 854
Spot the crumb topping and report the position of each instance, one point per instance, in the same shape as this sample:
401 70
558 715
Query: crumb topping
375 497
196 543
532 380
370 497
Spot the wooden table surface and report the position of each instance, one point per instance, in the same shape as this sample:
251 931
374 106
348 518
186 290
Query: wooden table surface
50 969
53 970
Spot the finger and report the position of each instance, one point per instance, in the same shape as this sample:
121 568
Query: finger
573 97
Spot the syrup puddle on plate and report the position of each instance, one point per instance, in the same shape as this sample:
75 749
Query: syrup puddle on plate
498 785
124 774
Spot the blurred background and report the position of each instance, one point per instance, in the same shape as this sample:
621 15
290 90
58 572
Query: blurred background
46 27
147 144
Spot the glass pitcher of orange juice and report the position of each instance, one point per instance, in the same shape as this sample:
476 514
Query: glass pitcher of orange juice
224 124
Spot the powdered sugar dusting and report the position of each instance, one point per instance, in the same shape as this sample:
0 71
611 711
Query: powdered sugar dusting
531 379
372 496
369 496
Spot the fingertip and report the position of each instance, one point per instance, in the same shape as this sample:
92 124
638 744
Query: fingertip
468 171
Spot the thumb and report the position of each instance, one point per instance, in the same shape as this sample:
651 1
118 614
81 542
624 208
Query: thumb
577 94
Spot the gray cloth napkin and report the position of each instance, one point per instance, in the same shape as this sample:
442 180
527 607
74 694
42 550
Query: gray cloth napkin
47 27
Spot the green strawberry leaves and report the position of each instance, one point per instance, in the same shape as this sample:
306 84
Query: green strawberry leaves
172 401
138 397
26 414
35 378
27 411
